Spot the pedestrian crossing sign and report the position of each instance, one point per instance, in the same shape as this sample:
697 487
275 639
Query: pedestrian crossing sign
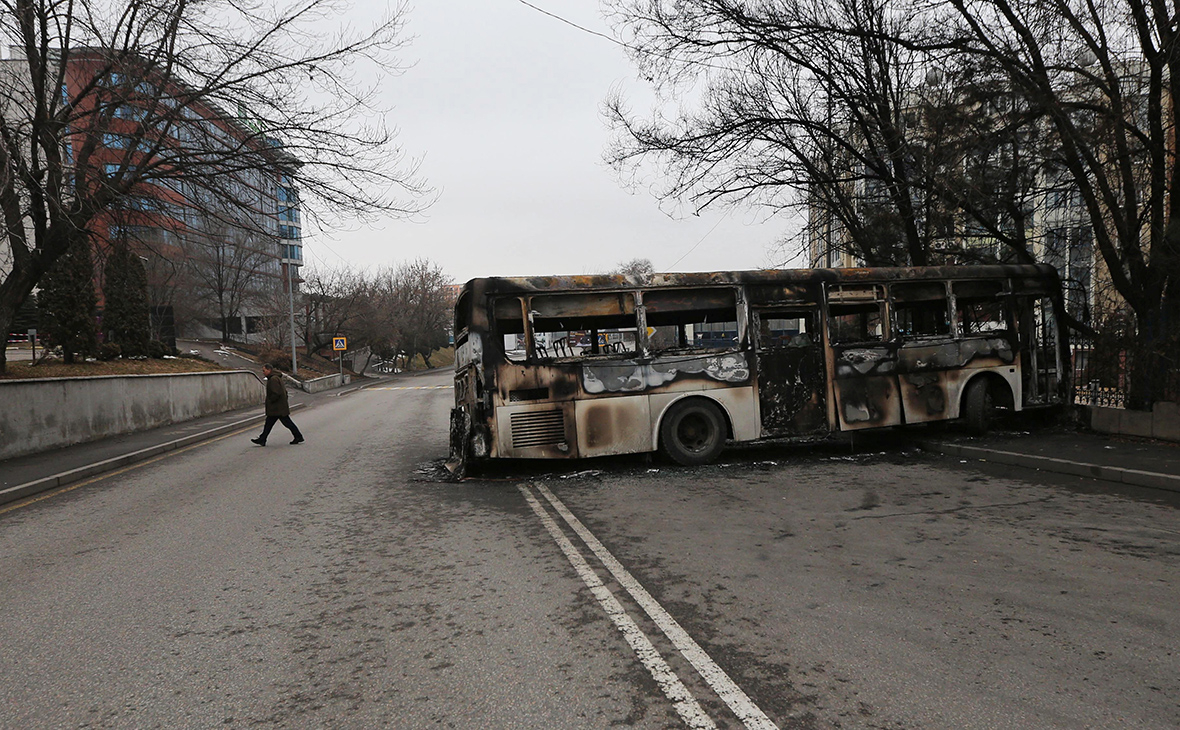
339 343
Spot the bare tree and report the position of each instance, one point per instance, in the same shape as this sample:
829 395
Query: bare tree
926 133
336 302
638 267
1106 76
426 310
232 268
847 109
411 310
793 105
188 102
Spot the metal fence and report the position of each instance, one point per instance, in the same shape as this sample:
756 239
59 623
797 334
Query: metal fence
1103 368
1100 374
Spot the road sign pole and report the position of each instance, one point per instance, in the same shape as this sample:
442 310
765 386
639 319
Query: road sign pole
291 311
340 345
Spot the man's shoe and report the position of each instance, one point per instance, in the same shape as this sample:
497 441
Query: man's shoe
297 441
260 442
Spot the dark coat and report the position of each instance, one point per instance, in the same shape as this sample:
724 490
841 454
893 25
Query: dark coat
276 396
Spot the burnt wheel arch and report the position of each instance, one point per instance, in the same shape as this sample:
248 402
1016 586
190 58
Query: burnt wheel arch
693 430
985 396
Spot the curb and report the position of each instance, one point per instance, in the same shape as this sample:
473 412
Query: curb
362 386
1151 480
28 489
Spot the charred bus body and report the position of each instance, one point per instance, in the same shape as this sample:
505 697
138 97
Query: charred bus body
581 366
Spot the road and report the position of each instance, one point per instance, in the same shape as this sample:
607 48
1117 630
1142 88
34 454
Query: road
345 583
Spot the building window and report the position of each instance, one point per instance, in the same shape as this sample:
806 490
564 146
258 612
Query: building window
1071 252
134 113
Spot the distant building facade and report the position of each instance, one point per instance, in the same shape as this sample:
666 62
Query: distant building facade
1056 225
220 243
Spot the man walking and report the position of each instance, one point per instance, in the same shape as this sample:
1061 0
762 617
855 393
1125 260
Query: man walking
277 408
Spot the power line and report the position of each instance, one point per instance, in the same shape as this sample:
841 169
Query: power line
573 24
698 243
619 43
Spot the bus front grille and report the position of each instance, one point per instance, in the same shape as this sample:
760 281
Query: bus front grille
537 428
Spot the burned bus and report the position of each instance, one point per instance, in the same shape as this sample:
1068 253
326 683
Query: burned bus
582 366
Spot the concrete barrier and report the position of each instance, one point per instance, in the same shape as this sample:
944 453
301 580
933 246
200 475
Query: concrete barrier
315 385
1162 422
46 413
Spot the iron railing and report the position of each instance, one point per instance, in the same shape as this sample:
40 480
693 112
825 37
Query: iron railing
1100 373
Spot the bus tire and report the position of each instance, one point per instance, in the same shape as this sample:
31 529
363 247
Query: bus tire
693 432
979 406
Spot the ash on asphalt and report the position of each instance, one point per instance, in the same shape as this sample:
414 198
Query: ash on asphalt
893 445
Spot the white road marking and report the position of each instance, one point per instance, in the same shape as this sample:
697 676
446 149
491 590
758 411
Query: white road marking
413 387
686 705
748 712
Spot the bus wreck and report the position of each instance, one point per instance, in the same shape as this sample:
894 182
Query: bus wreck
582 366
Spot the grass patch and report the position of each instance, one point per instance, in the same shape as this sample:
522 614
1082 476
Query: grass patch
23 369
442 358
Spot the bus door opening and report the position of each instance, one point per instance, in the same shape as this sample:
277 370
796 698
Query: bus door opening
792 379
865 361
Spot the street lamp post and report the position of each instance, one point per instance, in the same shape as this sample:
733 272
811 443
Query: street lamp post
291 311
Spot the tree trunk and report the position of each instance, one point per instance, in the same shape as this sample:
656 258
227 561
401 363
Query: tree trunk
7 315
221 316
14 290
1142 360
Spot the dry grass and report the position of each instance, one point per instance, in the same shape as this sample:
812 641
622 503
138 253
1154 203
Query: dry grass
443 358
55 369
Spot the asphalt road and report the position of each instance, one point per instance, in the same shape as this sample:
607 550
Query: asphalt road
345 583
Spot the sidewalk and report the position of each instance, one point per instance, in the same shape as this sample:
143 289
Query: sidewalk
25 476
1125 459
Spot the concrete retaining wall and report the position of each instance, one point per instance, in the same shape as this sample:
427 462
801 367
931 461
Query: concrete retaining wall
37 415
325 383
1163 422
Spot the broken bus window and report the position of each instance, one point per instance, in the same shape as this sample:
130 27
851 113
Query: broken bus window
687 319
584 324
855 314
788 328
920 309
509 322
981 307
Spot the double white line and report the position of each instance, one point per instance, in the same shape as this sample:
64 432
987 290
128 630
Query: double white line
413 387
690 710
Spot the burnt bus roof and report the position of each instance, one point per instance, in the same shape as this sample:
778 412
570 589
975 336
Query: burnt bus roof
489 286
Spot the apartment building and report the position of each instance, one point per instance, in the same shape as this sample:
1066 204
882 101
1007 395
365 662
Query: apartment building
204 196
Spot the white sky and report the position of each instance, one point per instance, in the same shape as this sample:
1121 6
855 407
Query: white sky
504 105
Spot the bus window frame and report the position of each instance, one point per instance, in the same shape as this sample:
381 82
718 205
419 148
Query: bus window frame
683 348
497 333
1003 297
597 351
898 305
880 298
644 348
815 322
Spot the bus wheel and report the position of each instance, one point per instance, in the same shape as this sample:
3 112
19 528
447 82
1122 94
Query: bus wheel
979 407
693 432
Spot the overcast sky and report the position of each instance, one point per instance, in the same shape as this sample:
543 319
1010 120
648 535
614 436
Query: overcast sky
504 105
